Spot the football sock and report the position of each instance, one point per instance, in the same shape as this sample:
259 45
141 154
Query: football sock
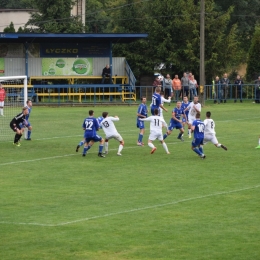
17 138
165 136
85 150
179 136
140 138
197 151
1 111
201 148
189 132
120 148
100 148
165 147
29 134
81 143
151 145
218 145
106 146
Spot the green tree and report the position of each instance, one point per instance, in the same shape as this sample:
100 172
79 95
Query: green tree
174 38
96 16
10 28
53 16
253 64
245 15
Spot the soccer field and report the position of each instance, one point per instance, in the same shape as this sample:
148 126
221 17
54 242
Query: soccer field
56 204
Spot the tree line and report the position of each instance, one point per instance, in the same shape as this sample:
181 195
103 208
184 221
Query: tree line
231 31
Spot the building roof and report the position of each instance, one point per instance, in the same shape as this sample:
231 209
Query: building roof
70 37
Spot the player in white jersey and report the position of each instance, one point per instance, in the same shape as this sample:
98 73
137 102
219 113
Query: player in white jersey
156 125
163 100
209 132
111 132
194 107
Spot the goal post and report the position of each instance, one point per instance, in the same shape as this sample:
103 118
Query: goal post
16 95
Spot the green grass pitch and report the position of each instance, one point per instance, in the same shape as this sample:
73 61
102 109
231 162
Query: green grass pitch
56 204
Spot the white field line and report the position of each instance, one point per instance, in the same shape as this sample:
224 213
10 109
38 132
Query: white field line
131 210
91 152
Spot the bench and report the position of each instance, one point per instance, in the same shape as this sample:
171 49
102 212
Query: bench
71 80
124 92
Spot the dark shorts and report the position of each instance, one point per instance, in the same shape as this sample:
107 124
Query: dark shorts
14 127
197 142
95 139
173 125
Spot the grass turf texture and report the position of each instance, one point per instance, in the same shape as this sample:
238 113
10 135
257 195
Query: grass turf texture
56 204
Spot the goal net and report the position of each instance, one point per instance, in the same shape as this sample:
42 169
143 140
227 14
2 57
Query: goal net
15 88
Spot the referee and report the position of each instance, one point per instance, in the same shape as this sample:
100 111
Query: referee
15 125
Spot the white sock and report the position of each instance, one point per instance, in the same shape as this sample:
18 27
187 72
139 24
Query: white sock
189 131
106 146
1 111
219 145
165 147
120 148
151 145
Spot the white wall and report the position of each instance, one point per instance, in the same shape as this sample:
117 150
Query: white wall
19 17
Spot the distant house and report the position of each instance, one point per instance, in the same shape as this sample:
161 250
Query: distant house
19 17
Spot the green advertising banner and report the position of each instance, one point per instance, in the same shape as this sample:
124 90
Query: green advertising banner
67 66
2 66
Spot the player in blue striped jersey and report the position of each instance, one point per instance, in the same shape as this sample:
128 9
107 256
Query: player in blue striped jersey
141 113
198 129
184 105
91 126
99 119
156 101
176 121
28 127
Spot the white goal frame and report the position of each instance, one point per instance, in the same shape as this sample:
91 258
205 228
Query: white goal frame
12 104
25 85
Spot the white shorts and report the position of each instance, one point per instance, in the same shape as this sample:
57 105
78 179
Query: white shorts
210 138
117 137
191 119
156 135
2 103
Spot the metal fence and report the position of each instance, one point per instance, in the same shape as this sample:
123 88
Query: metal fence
210 92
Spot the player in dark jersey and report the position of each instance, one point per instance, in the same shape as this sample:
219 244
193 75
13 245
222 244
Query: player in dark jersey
198 129
28 129
16 123
176 122
141 113
156 101
91 125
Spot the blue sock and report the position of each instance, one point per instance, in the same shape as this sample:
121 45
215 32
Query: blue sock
197 151
29 134
140 138
81 143
165 136
85 150
100 148
201 149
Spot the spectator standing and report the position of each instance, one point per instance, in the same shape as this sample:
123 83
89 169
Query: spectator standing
185 84
192 87
224 88
2 99
257 90
106 73
238 89
157 82
216 89
176 86
167 83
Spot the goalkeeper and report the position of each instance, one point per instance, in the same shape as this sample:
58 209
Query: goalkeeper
15 125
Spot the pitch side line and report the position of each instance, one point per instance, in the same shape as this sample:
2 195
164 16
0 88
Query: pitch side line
131 210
